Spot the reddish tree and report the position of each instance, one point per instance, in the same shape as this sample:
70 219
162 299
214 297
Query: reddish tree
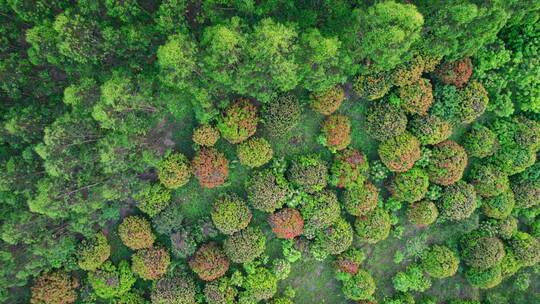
336 130
287 223
209 262
210 167
56 287
456 72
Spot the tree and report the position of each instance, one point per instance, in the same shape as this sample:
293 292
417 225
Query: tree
220 291
261 284
245 245
205 135
308 172
409 186
480 141
385 121
328 100
109 281
526 248
286 223
430 129
447 163
349 168
417 98
210 167
349 261
209 262
336 238
93 252
281 115
458 201
455 72
499 206
484 278
56 287
150 263
254 152
336 132
488 181
400 153
482 252
174 171
360 286
136 232
422 213
174 289
373 226
439 262
230 214
177 60
266 190
152 198
412 279
320 211
239 121
361 199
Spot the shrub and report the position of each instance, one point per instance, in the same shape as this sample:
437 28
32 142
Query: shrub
136 233
327 101
417 97
92 252
336 238
56 287
527 193
482 251
349 169
456 72
308 172
480 141
230 214
281 268
409 186
488 181
439 262
282 115
150 263
400 153
526 248
458 201
484 278
474 100
152 199
261 284
373 86
220 292
266 190
361 199
238 121
254 152
360 287
499 206
350 260
373 226
385 120
210 167
174 171
174 289
336 132
209 262
205 135
286 223
245 245
109 281
430 129
447 163
320 211
422 213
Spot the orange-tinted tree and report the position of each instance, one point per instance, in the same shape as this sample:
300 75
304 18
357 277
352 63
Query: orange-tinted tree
286 223
209 262
210 167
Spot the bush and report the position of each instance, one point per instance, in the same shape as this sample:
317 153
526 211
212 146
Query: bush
261 284
220 292
456 72
416 98
482 251
238 121
336 238
245 245
440 262
499 206
308 172
320 211
458 201
230 214
174 289
109 281
205 135
349 169
266 190
254 152
152 199
210 167
92 252
430 129
136 233
209 262
361 199
488 181
373 226
150 263
480 141
385 120
527 193
281 268
286 223
400 153
282 115
526 248
422 213
174 171
484 278
336 132
409 186
56 287
327 101
360 287
350 260
373 86
447 163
